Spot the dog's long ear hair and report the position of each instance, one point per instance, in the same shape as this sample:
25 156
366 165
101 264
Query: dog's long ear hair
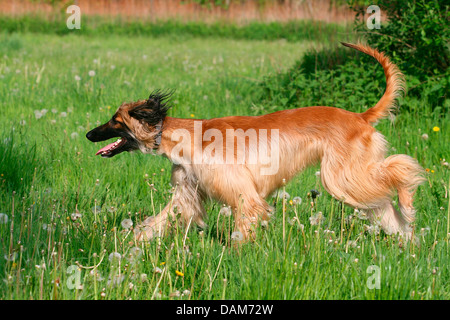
154 109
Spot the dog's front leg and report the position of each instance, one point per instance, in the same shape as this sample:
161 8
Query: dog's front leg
187 202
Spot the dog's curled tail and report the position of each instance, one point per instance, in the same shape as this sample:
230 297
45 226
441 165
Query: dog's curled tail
395 84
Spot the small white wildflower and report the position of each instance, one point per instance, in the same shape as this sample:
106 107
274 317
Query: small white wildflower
157 270
143 277
3 218
127 223
74 135
38 114
76 215
317 174
77 78
63 114
112 67
264 224
91 73
54 110
186 292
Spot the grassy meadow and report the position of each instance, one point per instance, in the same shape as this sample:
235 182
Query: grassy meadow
64 228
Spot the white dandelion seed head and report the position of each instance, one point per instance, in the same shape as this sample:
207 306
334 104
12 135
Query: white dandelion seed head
134 253
96 209
284 195
297 200
143 277
237 236
74 135
225 211
425 136
91 73
77 78
3 218
115 256
63 114
127 223
316 219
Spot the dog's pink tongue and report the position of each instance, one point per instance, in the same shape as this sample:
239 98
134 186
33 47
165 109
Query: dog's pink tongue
109 146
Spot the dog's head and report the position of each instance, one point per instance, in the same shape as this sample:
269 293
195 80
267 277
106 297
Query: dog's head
138 125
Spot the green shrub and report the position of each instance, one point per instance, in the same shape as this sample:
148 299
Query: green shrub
415 38
416 34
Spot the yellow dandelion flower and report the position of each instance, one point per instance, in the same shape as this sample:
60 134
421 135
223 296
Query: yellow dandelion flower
291 202
192 115
180 274
436 129
432 171
162 263
109 107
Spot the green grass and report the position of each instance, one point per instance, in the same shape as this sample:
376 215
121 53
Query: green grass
53 171
291 31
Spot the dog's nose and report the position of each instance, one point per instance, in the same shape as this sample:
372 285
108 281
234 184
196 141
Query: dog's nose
89 135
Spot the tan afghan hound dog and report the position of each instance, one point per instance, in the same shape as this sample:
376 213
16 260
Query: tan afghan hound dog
263 152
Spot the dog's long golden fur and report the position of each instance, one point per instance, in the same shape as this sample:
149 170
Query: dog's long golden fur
354 167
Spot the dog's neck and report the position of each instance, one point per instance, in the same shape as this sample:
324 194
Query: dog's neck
172 135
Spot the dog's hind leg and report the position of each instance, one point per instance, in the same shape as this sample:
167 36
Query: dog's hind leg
187 202
369 183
